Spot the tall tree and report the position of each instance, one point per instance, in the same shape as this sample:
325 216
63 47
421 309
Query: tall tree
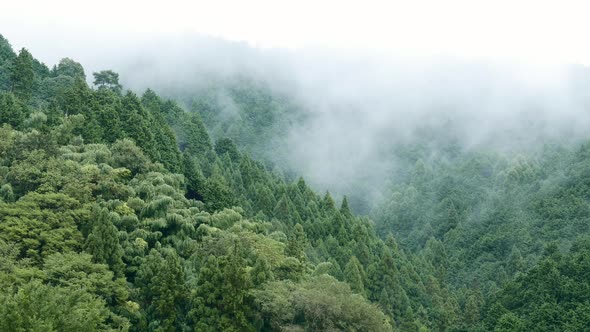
107 79
22 75
103 242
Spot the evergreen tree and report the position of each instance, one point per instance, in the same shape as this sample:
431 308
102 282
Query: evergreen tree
22 76
160 280
353 275
226 145
297 243
103 242
12 111
261 271
107 79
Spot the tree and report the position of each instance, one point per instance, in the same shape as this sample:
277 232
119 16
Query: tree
7 57
217 194
195 139
353 275
103 242
161 281
261 272
219 300
107 79
71 68
195 181
297 243
12 111
226 145
39 307
235 288
22 76
344 209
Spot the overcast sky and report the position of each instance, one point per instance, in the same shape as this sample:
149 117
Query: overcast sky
531 31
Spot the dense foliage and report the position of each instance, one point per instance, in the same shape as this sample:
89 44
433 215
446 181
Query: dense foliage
119 212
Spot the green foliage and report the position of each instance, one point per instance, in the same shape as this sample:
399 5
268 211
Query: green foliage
226 145
117 213
320 304
12 111
103 242
107 79
160 281
22 75
70 68
39 307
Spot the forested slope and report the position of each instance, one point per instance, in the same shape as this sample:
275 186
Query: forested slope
117 212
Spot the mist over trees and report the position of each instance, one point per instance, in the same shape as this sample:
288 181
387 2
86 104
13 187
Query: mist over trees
341 118
240 189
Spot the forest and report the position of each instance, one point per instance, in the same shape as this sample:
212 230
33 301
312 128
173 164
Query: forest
155 210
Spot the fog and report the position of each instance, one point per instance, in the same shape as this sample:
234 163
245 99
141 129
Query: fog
360 105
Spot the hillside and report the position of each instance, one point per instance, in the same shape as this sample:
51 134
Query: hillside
128 211
119 213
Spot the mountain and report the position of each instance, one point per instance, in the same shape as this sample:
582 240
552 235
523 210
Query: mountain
182 208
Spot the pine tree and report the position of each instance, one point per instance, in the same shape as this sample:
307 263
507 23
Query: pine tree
195 181
136 125
297 242
285 211
265 200
217 194
261 272
354 276
328 203
12 111
161 280
235 288
344 209
195 140
226 145
107 79
103 242
22 75
206 296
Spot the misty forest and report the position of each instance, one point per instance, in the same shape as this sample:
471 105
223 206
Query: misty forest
217 187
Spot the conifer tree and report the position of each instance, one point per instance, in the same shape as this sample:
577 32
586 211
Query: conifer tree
344 209
107 79
22 75
261 271
353 275
103 242
161 282
297 242
12 111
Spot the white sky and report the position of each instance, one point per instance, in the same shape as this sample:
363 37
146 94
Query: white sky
533 31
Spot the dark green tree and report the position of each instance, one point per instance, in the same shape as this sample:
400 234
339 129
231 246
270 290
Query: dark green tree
12 110
354 276
107 79
22 76
161 281
103 242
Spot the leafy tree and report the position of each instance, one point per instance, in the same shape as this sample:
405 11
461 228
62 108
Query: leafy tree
107 79
39 307
71 68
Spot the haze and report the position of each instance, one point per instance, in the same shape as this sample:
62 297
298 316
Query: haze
502 75
533 31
